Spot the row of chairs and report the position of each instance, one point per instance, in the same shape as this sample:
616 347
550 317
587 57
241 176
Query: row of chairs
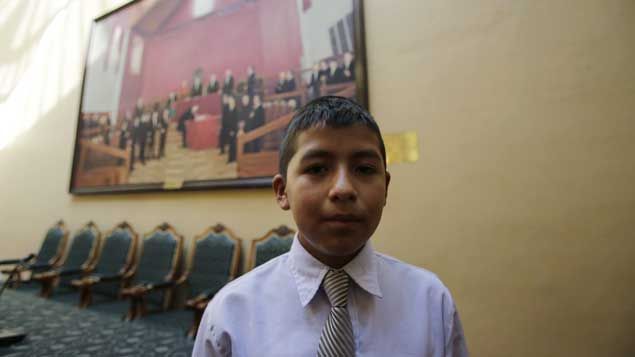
118 266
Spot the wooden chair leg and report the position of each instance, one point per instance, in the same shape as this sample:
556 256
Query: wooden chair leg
137 307
131 309
142 306
43 283
47 289
14 279
17 279
198 315
85 297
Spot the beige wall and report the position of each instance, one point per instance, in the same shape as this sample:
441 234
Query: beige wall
523 200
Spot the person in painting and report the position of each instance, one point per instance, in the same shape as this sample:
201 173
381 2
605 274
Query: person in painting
124 134
138 110
244 111
251 81
171 99
314 82
224 117
164 121
255 120
245 108
189 115
281 84
104 125
334 75
232 128
93 120
184 91
144 128
197 87
212 86
323 73
133 129
136 129
348 68
289 82
172 104
228 84
153 128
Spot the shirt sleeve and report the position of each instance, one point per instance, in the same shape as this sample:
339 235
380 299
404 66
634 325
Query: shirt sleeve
455 345
211 339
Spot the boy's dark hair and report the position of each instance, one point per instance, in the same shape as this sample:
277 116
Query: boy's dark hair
327 111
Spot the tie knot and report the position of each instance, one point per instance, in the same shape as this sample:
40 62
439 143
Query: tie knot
335 286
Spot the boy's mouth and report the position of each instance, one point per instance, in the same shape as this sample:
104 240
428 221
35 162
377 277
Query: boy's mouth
345 218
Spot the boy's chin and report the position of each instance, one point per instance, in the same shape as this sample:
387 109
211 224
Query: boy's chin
333 245
341 247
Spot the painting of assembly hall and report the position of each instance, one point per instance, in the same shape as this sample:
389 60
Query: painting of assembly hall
180 92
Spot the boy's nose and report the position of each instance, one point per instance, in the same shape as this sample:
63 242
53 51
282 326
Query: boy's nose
342 188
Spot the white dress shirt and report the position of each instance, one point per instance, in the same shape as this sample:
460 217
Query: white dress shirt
278 309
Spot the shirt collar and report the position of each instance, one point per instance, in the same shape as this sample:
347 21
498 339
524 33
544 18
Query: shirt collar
309 272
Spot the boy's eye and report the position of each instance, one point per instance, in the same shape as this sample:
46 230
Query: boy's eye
366 169
315 170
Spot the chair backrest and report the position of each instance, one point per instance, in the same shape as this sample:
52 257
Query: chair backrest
116 257
160 254
274 243
213 260
83 248
53 245
117 252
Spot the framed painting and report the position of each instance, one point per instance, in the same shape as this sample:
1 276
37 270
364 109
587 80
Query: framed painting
197 94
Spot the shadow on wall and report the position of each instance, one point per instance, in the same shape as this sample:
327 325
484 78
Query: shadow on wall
41 59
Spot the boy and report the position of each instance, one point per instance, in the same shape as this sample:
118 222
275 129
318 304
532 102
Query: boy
332 294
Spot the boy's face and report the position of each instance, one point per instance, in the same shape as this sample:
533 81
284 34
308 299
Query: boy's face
336 188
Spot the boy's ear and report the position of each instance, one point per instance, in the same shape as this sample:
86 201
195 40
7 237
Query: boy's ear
280 190
387 183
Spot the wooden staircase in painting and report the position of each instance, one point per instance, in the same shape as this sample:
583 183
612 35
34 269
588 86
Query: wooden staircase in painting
101 165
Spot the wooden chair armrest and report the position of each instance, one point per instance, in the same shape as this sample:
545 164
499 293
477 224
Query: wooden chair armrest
129 274
163 285
70 272
195 302
93 279
9 271
136 290
182 280
48 275
89 268
111 278
142 289
10 261
87 281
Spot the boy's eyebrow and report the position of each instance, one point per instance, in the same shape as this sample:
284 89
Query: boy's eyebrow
316 154
366 154
321 154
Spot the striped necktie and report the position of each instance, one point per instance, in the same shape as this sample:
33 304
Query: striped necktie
337 334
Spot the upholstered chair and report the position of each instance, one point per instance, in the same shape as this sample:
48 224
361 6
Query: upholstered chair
115 260
81 254
152 279
49 255
213 262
